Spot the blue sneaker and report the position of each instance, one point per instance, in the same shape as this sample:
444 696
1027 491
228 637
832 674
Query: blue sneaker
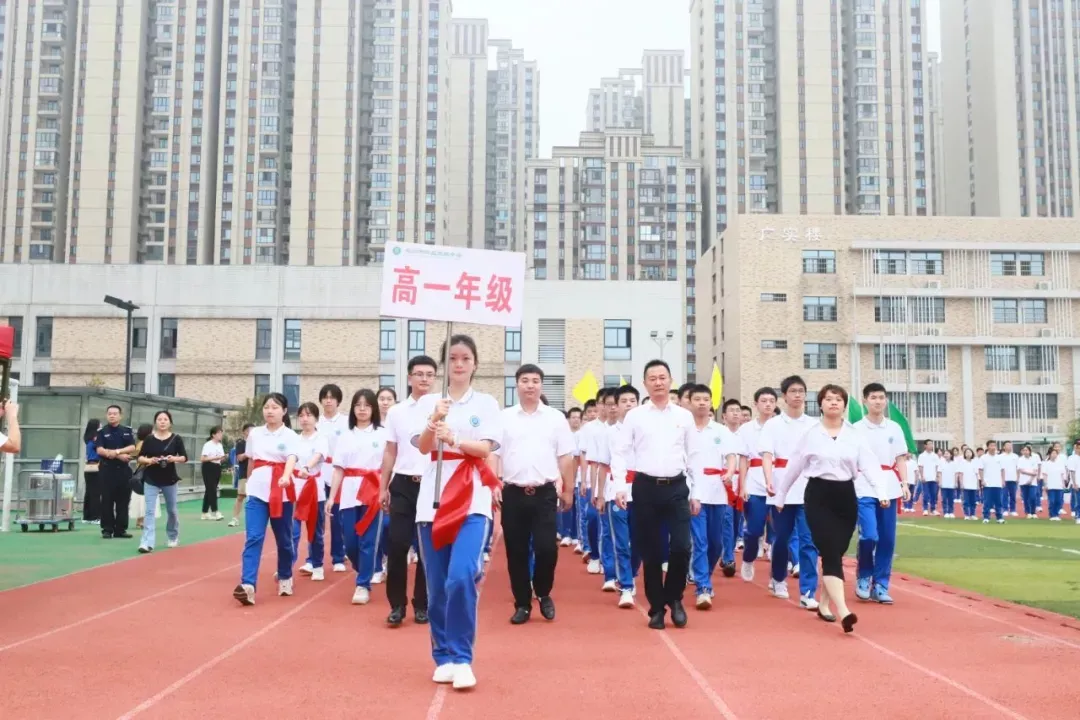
881 595
862 588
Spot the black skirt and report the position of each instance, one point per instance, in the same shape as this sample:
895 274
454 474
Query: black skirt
832 511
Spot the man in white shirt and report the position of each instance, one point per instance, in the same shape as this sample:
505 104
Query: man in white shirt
712 461
402 470
752 486
656 438
537 467
581 496
731 418
620 520
992 479
12 441
777 440
567 518
1010 461
602 492
930 467
334 425
1072 474
877 524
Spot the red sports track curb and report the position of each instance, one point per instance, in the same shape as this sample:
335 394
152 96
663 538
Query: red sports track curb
935 654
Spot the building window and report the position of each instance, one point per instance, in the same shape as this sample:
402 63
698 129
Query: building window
262 386
513 345
264 338
927 311
819 262
292 341
819 309
1012 406
612 381
927 263
509 391
140 338
1033 312
551 335
166 384
774 297
555 391
387 381
43 338
16 324
169 337
931 405
1019 311
774 344
1040 359
889 309
616 339
42 379
1022 264
387 339
929 357
1002 358
890 357
418 339
290 388
811 407
819 356
137 382
890 262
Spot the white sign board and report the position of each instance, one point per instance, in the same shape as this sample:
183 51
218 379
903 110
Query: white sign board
452 284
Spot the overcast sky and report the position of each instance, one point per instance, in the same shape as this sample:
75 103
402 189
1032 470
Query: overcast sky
576 42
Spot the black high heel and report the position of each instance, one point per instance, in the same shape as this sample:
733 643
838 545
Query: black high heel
827 617
849 622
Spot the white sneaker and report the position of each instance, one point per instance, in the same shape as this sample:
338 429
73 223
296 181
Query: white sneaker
173 543
412 557
664 567
284 587
779 589
925 513
339 567
626 597
578 549
218 516
609 586
361 596
378 578
487 557
567 542
704 601
464 678
317 574
748 571
444 674
245 594
306 569
807 602
1001 521
795 570
768 553
205 516
235 522
986 521
593 567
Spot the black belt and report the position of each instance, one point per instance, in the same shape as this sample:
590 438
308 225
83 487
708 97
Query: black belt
672 480
529 489
411 478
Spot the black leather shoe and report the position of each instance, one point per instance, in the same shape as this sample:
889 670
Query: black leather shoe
421 617
729 570
521 616
678 614
123 535
656 621
106 536
396 617
547 608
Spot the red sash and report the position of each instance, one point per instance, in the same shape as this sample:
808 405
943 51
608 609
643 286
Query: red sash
457 495
630 475
733 498
277 493
307 506
896 471
755 462
367 494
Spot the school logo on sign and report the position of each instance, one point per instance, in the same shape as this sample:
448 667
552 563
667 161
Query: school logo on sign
397 251
474 421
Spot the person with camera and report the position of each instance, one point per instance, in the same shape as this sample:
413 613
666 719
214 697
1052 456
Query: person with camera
161 451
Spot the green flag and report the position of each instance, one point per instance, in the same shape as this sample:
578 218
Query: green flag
855 412
898 417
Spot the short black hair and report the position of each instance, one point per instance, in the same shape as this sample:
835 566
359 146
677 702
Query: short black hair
730 403
572 411
332 390
689 387
118 409
872 388
790 382
698 389
423 360
529 369
746 409
627 390
543 399
608 392
589 404
764 391
656 363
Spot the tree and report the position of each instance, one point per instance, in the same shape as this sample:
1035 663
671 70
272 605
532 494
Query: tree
95 382
249 412
1074 431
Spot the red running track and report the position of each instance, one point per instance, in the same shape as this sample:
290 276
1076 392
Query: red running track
75 647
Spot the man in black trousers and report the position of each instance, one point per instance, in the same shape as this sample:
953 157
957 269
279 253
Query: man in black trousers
657 436
403 466
536 464
115 445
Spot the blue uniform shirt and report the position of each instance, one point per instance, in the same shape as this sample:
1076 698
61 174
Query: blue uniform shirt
114 438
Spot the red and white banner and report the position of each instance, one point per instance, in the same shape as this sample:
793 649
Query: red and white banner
452 284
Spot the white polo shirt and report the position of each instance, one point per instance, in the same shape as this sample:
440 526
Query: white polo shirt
532 444
276 447
1054 470
710 448
1010 462
332 428
969 474
886 440
401 422
474 417
992 466
361 449
755 477
1072 464
930 465
307 447
779 437
1031 464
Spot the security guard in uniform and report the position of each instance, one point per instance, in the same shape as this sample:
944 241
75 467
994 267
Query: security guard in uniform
116 447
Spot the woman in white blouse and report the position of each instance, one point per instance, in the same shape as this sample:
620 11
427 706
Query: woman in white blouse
273 449
831 454
966 475
948 484
1027 468
211 456
310 490
1053 472
465 426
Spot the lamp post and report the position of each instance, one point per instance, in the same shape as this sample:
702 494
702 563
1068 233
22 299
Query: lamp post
128 307
661 340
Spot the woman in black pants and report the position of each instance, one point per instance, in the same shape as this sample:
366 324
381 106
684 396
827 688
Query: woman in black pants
91 486
211 456
832 453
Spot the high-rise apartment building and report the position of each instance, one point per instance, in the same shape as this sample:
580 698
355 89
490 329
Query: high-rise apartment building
617 207
513 132
936 136
651 98
617 103
1009 99
467 171
811 107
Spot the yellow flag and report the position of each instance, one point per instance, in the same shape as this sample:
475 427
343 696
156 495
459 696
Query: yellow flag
716 385
621 381
586 390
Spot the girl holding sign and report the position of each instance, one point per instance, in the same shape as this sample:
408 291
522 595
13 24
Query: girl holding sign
452 537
